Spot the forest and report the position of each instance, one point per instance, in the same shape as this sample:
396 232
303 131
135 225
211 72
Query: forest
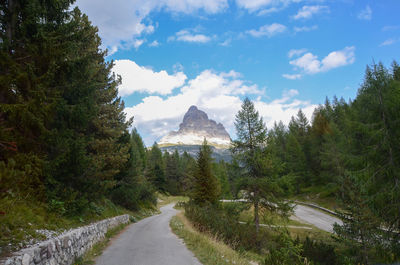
67 151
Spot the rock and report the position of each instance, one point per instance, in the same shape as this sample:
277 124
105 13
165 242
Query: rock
194 128
26 259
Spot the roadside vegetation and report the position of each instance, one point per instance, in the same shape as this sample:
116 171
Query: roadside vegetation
207 247
344 160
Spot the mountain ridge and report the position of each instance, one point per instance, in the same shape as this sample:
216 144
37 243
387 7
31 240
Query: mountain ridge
194 128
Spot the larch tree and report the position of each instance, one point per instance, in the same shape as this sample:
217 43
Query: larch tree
250 149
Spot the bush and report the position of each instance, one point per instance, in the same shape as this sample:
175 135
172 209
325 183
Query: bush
286 252
130 196
224 222
319 252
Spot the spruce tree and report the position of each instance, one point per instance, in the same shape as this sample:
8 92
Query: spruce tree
206 186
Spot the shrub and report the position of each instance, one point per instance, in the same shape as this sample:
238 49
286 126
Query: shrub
224 222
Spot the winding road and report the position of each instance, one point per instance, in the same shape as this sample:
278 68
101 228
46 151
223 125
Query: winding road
148 242
315 217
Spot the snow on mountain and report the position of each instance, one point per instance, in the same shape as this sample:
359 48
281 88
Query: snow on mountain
194 128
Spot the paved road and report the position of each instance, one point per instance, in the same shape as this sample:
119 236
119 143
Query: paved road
149 242
315 217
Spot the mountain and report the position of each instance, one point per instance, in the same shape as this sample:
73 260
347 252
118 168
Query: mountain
194 128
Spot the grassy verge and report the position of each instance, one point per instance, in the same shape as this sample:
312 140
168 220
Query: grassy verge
273 219
247 216
207 248
322 196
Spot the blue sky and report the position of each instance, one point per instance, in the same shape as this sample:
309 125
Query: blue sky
283 54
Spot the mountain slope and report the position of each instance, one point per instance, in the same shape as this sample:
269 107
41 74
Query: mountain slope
194 128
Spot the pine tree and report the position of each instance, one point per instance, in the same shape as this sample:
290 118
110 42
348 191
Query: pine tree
206 186
155 171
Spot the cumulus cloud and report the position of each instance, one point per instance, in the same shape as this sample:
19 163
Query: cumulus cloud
189 36
218 94
267 30
292 77
307 12
305 28
123 21
365 14
137 78
310 63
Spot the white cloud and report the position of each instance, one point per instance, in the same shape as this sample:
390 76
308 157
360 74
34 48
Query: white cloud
283 109
310 63
388 42
138 42
267 30
365 14
305 29
123 21
268 6
226 42
216 93
292 77
268 11
219 95
137 78
296 52
189 36
154 43
307 12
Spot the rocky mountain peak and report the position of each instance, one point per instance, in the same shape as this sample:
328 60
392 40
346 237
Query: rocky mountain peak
194 128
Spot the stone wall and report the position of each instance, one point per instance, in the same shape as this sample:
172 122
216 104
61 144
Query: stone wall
65 248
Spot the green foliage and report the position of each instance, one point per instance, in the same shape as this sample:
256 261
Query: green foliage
223 221
155 171
64 141
319 252
286 252
206 187
259 165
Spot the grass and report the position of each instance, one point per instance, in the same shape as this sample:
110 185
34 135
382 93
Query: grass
274 219
164 199
269 218
322 196
207 248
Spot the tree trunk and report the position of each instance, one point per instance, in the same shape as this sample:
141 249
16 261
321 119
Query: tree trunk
10 27
256 216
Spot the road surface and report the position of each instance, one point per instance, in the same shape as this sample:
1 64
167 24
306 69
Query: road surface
148 242
315 217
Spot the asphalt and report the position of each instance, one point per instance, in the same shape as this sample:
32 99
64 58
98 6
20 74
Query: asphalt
315 217
148 242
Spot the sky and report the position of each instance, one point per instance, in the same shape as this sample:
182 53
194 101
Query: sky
284 55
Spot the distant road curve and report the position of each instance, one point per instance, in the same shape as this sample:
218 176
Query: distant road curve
315 217
149 242
309 215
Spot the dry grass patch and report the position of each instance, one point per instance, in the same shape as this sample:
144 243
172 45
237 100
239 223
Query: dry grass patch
208 248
